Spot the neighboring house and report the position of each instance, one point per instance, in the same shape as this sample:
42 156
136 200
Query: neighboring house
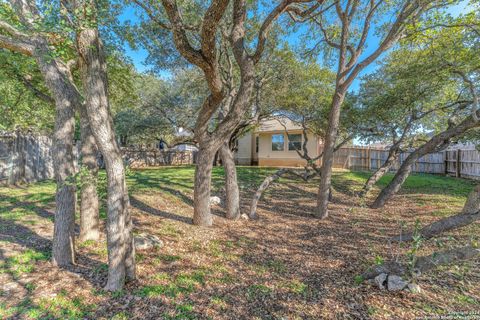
273 143
185 135
185 147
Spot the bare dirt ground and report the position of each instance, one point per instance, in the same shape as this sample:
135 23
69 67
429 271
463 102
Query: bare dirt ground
286 265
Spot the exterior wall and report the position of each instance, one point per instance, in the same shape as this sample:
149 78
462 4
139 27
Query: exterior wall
243 155
278 125
268 157
281 162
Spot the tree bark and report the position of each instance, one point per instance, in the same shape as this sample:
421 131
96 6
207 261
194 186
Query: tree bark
377 175
431 145
231 183
469 214
89 215
328 151
266 182
394 186
66 100
121 252
201 194
472 205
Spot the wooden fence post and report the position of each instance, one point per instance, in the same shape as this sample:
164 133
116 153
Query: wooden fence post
445 161
369 160
458 173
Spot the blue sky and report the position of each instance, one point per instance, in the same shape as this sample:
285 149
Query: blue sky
139 55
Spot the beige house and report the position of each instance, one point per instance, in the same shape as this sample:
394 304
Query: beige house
274 142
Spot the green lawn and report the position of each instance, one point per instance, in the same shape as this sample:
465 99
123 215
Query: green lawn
178 182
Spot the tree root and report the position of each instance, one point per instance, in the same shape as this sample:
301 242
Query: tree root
443 225
425 263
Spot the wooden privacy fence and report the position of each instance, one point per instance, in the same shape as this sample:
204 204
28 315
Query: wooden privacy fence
153 158
25 158
461 163
29 158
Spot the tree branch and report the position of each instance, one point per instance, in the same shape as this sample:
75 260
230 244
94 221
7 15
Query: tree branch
15 45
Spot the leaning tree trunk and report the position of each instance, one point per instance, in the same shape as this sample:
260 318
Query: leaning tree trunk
203 177
328 151
377 175
394 186
89 218
266 182
431 145
231 183
469 214
66 100
121 263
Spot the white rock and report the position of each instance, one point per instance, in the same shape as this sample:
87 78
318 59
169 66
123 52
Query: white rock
146 241
215 200
396 283
414 288
380 280
244 216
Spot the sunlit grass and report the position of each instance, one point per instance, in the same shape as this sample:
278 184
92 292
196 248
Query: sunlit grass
23 262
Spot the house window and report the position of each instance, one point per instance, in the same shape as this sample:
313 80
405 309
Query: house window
278 142
256 144
294 142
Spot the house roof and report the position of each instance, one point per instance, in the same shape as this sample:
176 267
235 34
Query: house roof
277 124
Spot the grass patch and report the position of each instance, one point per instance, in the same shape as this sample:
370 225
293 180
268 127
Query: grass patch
465 299
23 262
161 276
168 258
183 283
169 230
183 311
295 286
218 302
59 307
258 291
121 316
416 183
101 268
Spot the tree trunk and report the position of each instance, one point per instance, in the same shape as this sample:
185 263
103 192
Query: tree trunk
377 175
89 219
121 263
437 141
201 197
472 205
231 183
328 151
66 100
123 140
266 182
443 225
394 186
469 214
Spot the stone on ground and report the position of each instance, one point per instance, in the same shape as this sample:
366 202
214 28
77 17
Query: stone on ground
146 241
381 280
215 200
396 283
